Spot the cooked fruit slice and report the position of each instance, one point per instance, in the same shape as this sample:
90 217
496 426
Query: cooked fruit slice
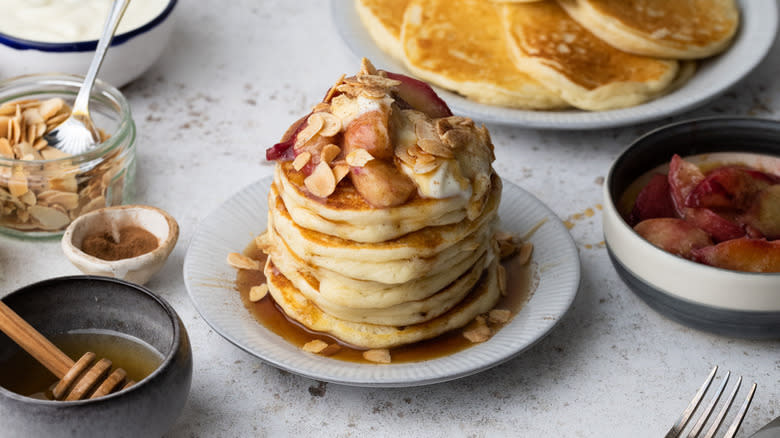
654 201
673 235
684 176
420 96
728 187
716 225
745 254
764 214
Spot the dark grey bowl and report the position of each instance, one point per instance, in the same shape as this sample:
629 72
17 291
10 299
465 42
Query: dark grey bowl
721 301
147 409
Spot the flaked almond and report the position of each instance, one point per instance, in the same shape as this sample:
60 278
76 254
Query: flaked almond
301 160
50 107
480 333
50 153
17 184
315 346
429 141
257 293
340 170
94 204
321 182
263 243
333 89
379 355
359 158
330 350
5 148
373 80
240 261
68 200
366 67
499 316
329 152
524 255
331 124
49 218
313 126
29 198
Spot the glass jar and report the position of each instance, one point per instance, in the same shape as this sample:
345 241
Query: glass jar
40 197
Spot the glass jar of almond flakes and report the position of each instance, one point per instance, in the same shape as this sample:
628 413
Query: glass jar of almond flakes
42 189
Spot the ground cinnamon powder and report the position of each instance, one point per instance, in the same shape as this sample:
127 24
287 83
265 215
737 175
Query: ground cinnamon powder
133 241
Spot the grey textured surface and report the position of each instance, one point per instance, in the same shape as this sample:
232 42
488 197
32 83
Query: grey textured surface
234 77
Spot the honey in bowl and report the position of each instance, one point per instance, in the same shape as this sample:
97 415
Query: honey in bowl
22 374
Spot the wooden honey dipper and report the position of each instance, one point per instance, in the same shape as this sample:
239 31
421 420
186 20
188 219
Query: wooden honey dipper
77 379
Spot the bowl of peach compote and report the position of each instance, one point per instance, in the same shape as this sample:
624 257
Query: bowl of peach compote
692 223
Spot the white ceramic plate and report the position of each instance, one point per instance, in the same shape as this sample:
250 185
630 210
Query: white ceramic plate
231 227
715 76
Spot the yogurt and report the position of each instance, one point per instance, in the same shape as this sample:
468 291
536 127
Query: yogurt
65 21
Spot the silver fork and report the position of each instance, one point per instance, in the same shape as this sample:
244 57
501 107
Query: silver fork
678 427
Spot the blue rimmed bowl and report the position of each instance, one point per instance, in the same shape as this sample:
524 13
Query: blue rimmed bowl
130 55
722 301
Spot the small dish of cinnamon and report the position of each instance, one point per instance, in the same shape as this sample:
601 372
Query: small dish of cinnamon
130 242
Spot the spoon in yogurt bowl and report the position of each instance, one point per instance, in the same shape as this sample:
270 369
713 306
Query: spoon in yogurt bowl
78 134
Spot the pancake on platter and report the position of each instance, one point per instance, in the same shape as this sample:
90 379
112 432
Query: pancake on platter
382 218
682 29
459 45
587 72
382 19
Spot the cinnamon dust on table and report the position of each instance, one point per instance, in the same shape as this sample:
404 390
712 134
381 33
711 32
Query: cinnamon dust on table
133 241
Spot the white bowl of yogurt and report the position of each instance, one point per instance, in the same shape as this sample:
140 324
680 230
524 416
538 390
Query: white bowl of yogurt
44 36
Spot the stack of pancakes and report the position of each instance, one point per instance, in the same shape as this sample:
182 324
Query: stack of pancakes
548 54
379 277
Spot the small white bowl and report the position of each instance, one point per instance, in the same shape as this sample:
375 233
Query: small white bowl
135 269
723 301
130 55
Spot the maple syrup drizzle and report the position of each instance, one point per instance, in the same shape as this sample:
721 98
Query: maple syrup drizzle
266 312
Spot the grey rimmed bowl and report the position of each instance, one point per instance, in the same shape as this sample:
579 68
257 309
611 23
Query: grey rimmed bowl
722 301
147 409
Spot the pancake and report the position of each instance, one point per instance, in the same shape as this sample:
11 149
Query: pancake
588 73
459 45
482 297
423 243
382 19
681 29
403 313
345 214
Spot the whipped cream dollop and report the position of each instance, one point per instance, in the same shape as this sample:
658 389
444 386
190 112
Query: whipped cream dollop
64 21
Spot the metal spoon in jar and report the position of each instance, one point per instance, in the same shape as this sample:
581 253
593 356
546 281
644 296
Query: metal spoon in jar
78 134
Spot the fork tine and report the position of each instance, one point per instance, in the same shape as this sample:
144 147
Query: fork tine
675 431
741 414
708 411
723 410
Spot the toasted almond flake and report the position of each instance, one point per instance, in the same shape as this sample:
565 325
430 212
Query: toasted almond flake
29 198
94 204
359 158
263 243
67 200
301 160
501 279
526 249
313 126
366 67
331 124
321 107
257 293
329 152
50 107
330 350
49 218
380 355
41 143
315 346
50 153
240 261
499 316
32 116
321 182
480 333
17 184
5 148
333 89
376 81
340 170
